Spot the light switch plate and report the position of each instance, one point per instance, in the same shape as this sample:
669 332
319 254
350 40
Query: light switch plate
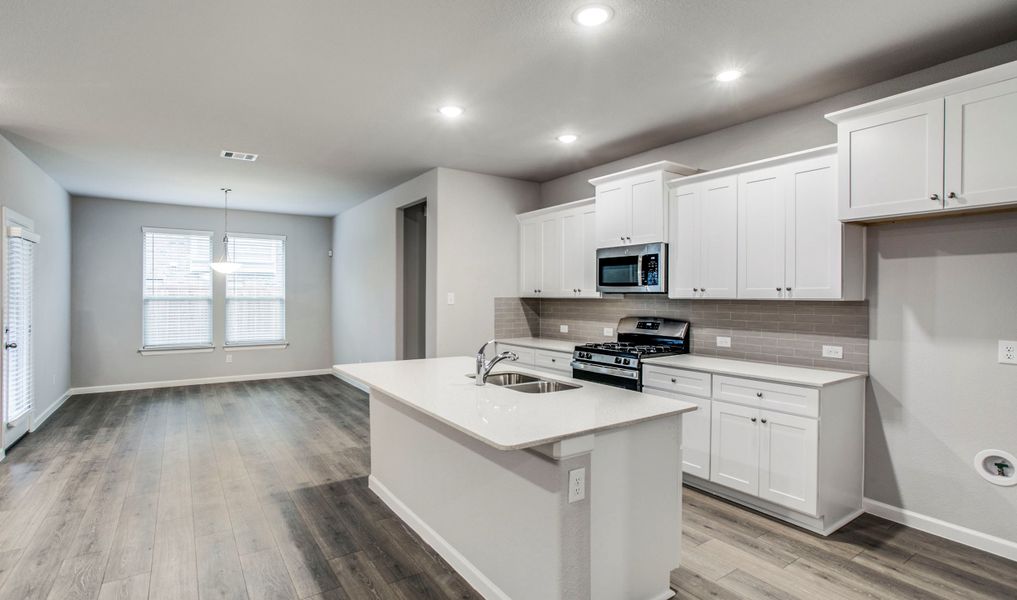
723 341
563 328
608 332
833 351
451 297
577 485
1007 352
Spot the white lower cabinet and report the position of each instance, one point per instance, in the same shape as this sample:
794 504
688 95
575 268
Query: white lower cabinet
551 361
792 451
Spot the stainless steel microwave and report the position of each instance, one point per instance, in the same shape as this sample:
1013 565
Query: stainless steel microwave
632 269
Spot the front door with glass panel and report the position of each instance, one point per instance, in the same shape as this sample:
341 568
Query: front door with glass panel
18 383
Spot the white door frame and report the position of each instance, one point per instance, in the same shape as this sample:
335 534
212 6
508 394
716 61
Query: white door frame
9 218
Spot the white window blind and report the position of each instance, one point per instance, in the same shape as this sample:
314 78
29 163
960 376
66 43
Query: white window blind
19 380
256 293
177 289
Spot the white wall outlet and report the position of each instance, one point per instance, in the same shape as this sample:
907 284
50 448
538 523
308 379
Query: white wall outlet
723 341
229 357
1007 352
563 328
577 485
833 351
451 298
608 332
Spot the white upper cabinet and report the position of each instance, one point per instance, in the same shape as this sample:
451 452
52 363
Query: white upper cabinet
703 257
981 153
762 218
558 252
632 205
814 236
946 147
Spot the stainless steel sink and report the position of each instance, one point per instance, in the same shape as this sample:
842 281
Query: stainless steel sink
543 386
521 382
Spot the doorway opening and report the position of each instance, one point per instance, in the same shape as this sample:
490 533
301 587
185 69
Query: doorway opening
414 280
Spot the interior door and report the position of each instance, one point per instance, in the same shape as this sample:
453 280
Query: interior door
891 163
788 455
734 443
814 234
761 224
530 272
718 255
18 379
683 251
647 206
980 150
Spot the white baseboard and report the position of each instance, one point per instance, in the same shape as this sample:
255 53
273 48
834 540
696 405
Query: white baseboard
460 563
360 385
147 385
39 420
957 533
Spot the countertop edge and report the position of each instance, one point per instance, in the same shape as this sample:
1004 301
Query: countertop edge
667 361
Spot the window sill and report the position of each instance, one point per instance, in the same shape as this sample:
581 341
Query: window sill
244 348
161 351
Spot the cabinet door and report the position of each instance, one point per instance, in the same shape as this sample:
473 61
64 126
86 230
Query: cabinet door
696 437
814 234
718 226
588 284
530 261
761 223
683 251
734 445
573 252
613 214
551 254
788 460
892 163
980 153
648 199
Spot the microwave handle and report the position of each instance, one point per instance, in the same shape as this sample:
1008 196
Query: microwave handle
639 270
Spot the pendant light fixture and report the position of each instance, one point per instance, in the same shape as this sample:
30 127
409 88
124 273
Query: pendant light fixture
224 264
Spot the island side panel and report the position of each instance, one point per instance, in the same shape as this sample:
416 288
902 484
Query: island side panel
637 510
500 518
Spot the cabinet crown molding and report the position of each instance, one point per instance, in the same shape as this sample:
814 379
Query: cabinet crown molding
661 165
929 92
550 210
751 166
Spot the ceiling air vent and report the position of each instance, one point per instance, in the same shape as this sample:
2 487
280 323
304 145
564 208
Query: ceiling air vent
239 155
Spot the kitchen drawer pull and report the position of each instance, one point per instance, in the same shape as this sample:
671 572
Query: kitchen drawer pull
753 419
788 289
778 288
759 394
952 195
763 420
674 380
934 197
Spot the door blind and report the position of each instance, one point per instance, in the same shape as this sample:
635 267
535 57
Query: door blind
177 293
19 378
256 293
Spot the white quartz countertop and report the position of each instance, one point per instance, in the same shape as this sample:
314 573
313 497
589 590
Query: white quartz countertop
542 344
754 370
504 418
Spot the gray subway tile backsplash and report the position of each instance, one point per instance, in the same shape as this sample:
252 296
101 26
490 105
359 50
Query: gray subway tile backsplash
789 332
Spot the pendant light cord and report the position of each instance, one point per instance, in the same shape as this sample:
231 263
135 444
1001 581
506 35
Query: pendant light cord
225 223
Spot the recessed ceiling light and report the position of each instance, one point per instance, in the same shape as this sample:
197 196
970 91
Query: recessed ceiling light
593 15
729 75
451 111
567 138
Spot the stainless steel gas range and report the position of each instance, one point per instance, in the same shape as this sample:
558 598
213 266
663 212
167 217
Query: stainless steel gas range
619 363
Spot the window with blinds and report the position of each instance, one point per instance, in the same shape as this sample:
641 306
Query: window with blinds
19 379
256 293
177 300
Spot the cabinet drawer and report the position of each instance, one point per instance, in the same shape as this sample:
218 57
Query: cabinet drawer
678 381
791 399
553 361
526 355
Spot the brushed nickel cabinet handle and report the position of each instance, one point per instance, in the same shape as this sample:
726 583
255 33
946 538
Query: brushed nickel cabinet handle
934 197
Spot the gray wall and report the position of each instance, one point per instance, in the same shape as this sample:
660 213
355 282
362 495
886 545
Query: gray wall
26 189
942 293
106 292
781 133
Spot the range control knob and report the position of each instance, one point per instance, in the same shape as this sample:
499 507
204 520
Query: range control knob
617 360
626 361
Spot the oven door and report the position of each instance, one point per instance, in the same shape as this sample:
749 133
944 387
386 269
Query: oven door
623 378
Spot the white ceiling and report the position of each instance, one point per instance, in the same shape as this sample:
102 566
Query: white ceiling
134 99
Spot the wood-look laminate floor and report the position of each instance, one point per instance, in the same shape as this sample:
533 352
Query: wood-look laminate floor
258 490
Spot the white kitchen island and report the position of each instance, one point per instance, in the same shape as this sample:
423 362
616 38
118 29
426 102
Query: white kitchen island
481 473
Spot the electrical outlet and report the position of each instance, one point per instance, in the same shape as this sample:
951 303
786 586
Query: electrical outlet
833 351
608 332
563 328
451 298
577 485
1007 352
723 341
229 357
